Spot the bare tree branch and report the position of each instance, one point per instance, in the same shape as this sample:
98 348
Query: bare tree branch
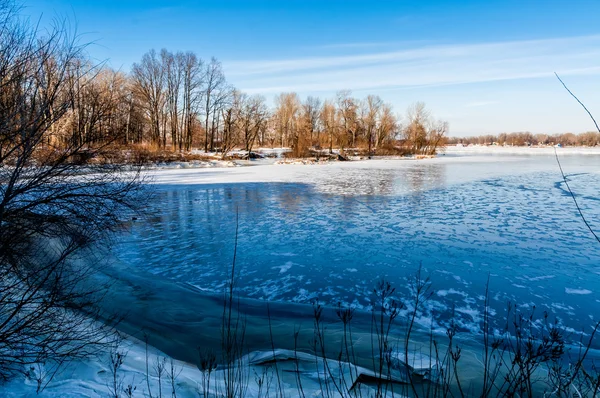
587 224
577 99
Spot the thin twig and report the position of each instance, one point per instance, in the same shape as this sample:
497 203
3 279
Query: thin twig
560 166
577 99
573 197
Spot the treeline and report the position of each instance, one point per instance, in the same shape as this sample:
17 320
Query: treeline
177 101
528 139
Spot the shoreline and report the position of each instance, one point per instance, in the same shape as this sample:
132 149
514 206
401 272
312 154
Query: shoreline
452 150
520 150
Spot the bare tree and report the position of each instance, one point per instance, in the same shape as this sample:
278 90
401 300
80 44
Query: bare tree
50 212
287 108
193 80
347 109
415 133
214 83
95 112
387 128
329 121
435 135
222 97
423 133
252 117
149 78
173 65
230 130
311 109
371 110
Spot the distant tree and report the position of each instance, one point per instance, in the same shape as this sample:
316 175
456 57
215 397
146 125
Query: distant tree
286 113
436 135
415 132
423 134
214 93
311 109
591 138
230 115
97 109
193 79
174 73
329 121
371 113
542 139
387 128
347 108
251 118
149 87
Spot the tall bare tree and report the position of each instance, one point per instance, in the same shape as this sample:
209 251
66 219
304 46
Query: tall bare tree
311 109
230 114
387 128
347 108
174 73
329 121
96 97
215 85
371 108
252 117
149 79
423 134
287 108
192 84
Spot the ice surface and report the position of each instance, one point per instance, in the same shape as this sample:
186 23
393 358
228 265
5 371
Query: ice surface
333 230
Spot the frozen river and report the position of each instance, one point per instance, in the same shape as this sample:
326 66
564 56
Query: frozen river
332 231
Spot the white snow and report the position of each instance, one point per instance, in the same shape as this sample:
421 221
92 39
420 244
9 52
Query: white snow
361 177
444 293
285 267
94 378
520 150
577 291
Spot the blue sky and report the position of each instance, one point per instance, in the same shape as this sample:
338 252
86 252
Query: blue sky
485 66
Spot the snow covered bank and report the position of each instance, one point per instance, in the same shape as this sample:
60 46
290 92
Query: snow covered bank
461 164
519 150
376 176
262 373
194 164
180 322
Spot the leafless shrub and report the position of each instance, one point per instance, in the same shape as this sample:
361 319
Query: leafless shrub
51 208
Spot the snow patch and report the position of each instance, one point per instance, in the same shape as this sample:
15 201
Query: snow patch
577 291
284 268
444 293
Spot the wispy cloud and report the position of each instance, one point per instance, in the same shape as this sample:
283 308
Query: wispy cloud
370 45
429 65
478 104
